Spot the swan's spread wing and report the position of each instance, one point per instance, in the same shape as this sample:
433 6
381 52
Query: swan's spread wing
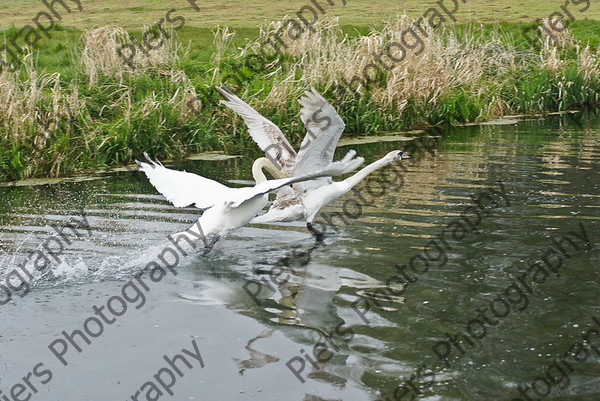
324 127
245 194
182 188
267 135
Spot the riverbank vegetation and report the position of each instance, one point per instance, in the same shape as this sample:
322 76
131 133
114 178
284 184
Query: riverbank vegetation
74 104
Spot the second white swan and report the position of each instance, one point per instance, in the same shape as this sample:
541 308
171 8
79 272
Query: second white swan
324 126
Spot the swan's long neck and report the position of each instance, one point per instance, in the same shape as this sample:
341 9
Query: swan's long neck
257 170
352 181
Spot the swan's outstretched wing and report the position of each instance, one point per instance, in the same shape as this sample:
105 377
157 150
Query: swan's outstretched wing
324 127
267 135
347 164
182 188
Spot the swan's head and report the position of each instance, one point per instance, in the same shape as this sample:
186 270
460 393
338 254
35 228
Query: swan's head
397 155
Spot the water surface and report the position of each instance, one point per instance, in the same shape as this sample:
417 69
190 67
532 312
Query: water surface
548 169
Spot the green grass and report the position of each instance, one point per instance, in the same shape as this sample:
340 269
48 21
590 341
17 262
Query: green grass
56 54
104 135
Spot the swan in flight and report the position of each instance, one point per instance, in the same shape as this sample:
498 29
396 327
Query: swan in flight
225 208
303 200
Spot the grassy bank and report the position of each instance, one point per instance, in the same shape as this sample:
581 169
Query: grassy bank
75 104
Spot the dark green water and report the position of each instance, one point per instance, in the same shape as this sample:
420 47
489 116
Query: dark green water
534 338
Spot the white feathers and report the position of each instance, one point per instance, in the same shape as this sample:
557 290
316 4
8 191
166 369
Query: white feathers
267 135
300 196
226 208
324 127
182 188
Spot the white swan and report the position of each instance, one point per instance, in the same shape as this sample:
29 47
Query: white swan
324 127
226 209
306 204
